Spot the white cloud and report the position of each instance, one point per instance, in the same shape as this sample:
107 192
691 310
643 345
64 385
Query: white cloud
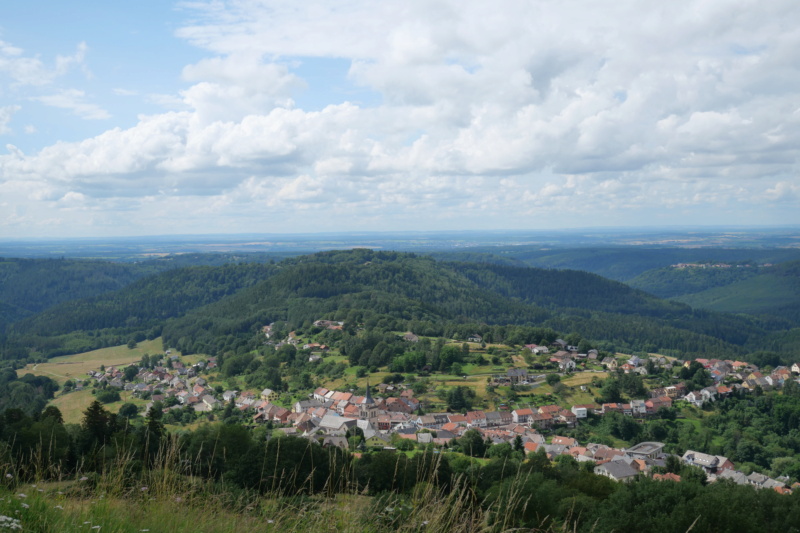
31 70
505 115
75 101
5 117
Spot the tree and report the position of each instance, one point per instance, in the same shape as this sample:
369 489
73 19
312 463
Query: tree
673 464
472 443
130 372
128 410
97 423
108 396
51 411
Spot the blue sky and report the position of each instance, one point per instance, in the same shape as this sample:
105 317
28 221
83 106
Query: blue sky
156 117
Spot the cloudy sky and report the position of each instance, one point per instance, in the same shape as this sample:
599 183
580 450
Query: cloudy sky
158 117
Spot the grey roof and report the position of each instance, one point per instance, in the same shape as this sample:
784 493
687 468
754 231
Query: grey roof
617 469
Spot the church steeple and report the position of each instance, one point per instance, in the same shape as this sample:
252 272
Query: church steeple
368 397
368 409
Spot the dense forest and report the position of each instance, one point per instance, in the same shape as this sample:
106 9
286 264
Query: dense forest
213 309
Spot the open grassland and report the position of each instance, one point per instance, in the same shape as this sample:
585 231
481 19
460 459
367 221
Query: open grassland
76 366
73 404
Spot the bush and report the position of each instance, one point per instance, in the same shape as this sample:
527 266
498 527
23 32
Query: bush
108 396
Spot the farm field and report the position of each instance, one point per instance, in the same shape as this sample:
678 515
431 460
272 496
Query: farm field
76 366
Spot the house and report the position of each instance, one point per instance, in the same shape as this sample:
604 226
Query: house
712 464
269 395
796 368
517 375
609 363
541 421
564 441
410 337
476 419
566 365
616 470
580 411
521 416
669 476
559 344
493 419
475 338
638 408
229 395
567 417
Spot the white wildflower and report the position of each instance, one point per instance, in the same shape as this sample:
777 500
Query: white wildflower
22 495
9 476
84 478
6 522
25 506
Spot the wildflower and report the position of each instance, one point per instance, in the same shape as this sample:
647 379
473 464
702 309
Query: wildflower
40 490
144 489
22 495
58 507
9 476
6 522
84 478
178 499
270 521
95 527
25 505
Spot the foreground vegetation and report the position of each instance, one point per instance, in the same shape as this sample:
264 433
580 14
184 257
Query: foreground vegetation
122 476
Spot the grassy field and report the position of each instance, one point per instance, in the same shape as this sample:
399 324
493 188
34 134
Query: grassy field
76 366
73 404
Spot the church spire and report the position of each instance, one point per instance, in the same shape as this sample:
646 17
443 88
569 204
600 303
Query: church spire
368 397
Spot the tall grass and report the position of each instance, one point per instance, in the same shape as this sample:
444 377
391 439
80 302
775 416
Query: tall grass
168 497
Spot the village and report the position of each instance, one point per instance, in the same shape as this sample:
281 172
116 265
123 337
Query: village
394 419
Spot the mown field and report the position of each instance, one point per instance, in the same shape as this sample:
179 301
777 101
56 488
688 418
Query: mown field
76 366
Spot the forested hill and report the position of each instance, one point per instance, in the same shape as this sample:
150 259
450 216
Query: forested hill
29 286
137 311
404 291
208 309
773 291
621 263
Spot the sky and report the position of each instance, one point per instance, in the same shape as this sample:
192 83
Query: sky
258 116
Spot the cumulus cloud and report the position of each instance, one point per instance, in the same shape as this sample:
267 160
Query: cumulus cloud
517 114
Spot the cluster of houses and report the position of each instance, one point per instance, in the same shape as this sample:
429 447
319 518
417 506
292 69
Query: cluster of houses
326 416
